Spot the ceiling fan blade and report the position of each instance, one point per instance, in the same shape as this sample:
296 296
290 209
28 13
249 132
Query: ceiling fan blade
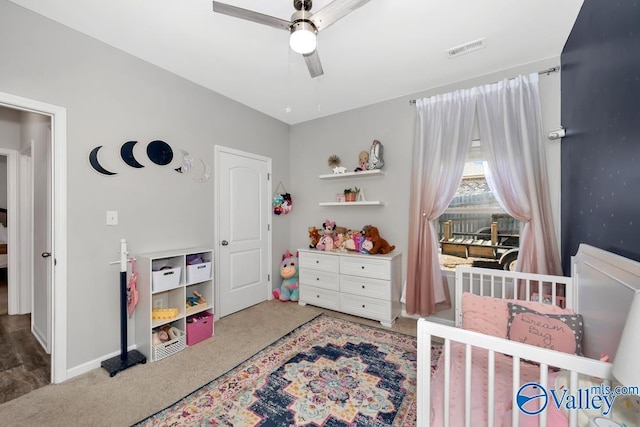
313 64
250 15
334 11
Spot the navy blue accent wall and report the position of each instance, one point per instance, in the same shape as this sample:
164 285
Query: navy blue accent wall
601 112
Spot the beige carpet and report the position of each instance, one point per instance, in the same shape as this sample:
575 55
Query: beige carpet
95 399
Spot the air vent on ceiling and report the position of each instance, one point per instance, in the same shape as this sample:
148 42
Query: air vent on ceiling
466 48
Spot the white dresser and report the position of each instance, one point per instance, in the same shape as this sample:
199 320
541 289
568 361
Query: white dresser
363 285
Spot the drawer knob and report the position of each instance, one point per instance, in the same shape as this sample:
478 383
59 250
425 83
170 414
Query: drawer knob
317 296
317 262
362 267
362 286
317 278
363 306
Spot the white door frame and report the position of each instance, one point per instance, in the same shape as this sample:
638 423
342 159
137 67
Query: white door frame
216 222
59 218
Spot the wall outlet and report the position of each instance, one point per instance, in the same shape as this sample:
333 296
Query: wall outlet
112 217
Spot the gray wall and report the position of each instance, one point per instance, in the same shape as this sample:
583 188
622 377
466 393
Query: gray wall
112 97
9 128
392 123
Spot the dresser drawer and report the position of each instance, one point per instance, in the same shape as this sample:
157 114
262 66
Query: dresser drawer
366 267
320 297
366 307
319 279
319 261
373 288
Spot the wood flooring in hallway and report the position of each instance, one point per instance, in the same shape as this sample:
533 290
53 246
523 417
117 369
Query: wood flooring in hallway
24 365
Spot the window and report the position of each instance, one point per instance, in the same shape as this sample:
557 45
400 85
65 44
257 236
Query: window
475 230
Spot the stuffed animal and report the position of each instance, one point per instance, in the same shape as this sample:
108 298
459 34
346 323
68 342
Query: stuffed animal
366 245
326 241
363 161
340 242
380 245
314 235
289 271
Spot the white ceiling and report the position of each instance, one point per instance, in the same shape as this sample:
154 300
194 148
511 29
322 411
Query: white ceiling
385 49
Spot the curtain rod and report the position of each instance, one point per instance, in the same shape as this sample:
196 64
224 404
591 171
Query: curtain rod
547 72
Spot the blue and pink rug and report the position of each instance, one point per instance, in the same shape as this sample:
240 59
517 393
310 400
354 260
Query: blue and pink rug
327 372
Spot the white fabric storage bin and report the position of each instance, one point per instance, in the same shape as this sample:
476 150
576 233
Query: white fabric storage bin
198 272
166 279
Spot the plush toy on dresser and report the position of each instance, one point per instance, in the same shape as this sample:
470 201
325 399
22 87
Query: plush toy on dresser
380 245
314 235
326 241
289 271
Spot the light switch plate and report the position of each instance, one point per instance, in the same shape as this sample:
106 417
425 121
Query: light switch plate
112 217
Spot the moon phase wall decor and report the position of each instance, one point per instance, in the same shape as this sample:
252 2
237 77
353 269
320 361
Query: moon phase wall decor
126 152
95 164
187 162
205 174
160 153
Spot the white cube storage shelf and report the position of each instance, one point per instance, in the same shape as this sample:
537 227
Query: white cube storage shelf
166 281
363 285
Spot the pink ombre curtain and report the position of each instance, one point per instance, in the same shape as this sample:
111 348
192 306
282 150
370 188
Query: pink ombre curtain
443 134
510 123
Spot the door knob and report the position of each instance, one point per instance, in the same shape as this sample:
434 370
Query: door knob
46 254
225 243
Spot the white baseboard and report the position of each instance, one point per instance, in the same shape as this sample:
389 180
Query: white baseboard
92 364
433 319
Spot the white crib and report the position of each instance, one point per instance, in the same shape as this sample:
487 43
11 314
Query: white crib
601 289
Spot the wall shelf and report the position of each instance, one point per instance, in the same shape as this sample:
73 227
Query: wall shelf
362 203
353 174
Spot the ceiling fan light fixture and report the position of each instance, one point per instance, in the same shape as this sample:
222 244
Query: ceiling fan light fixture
303 37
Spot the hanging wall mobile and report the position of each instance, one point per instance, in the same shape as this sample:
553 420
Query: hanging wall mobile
282 202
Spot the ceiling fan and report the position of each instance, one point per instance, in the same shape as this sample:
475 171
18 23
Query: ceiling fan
303 27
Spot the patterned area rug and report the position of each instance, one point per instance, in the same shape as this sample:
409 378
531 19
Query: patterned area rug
327 372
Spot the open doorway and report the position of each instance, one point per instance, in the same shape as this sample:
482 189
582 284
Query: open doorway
45 123
24 288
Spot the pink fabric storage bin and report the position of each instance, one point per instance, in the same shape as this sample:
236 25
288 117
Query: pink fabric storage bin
200 329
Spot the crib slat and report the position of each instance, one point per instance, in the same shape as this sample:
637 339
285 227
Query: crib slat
467 386
573 386
491 387
544 369
515 420
447 373
424 378
492 286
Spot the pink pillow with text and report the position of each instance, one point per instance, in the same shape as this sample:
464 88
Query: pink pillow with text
560 332
490 316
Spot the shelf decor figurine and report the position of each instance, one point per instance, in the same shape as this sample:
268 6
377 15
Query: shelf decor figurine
375 155
334 162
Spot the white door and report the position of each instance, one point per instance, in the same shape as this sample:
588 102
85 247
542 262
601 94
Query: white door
243 191
42 241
